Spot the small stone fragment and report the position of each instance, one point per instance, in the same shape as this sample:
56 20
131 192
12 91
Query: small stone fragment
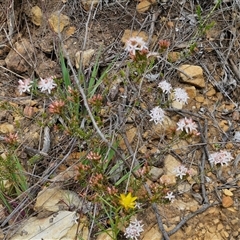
130 133
235 234
229 146
192 74
28 111
70 31
37 15
86 57
224 125
177 105
199 99
168 180
235 221
225 234
211 92
143 6
227 201
227 192
155 173
158 130
235 115
183 187
88 4
143 149
6 128
191 91
212 229
58 21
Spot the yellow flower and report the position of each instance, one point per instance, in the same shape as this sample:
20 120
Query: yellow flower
127 201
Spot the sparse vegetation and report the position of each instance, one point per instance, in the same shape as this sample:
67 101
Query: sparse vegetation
123 132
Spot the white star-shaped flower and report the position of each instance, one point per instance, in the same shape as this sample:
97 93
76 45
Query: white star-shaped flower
180 95
134 229
181 171
165 86
170 196
46 84
157 115
24 86
135 44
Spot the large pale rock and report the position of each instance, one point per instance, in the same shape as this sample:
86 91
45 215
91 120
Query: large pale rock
193 75
55 199
19 58
62 225
37 15
170 164
58 21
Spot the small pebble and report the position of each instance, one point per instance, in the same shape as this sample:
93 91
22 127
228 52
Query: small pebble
227 201
227 192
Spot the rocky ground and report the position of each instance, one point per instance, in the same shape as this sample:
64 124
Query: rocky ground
202 58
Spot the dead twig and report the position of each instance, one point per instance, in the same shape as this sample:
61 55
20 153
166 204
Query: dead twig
205 154
234 68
